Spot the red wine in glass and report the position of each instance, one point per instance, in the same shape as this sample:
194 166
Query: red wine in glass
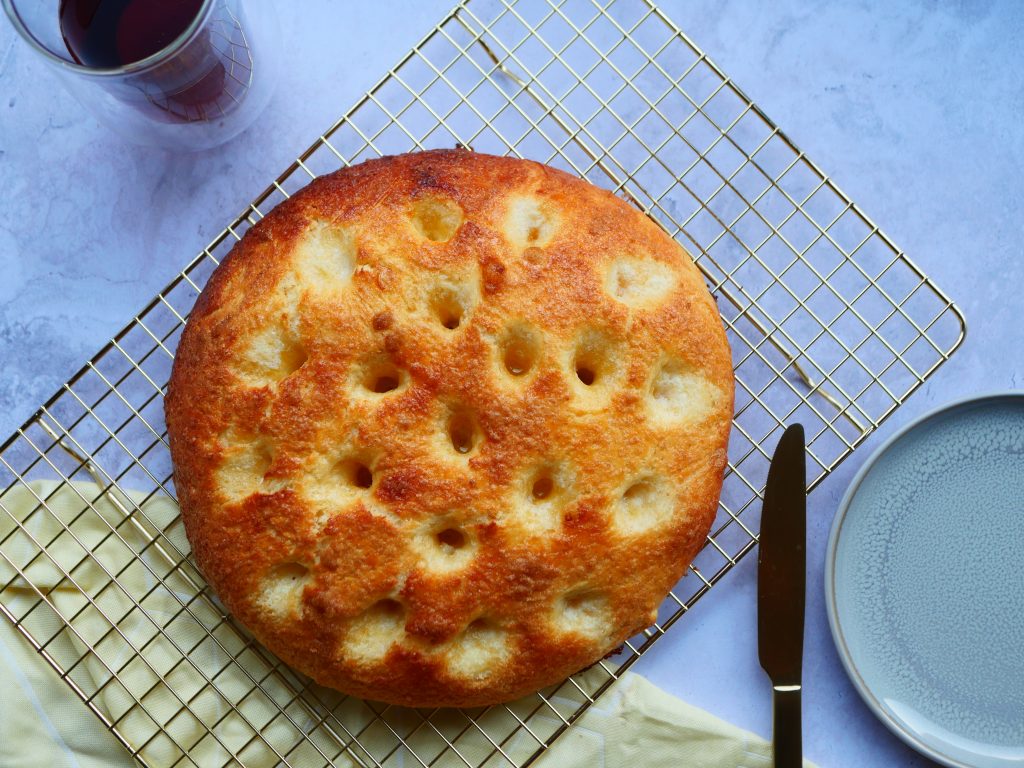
114 33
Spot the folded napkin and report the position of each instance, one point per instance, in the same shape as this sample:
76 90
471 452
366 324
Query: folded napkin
42 722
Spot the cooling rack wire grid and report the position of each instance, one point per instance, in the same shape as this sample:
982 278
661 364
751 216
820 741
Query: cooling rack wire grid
830 325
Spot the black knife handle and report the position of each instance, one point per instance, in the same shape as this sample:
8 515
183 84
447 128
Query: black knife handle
787 735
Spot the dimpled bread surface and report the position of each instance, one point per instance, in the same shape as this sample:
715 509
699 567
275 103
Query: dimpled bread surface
447 427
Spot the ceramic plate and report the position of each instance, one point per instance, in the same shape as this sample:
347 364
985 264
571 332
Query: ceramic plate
925 583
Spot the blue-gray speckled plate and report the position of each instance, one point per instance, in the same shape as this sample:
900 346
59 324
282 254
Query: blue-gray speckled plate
924 582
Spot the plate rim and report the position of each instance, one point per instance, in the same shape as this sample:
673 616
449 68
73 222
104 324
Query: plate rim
877 708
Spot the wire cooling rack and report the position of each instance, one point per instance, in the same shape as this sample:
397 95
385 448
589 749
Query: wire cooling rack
830 324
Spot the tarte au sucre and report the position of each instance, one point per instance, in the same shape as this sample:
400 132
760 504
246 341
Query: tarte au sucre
447 427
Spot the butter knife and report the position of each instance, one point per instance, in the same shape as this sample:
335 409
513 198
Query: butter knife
781 587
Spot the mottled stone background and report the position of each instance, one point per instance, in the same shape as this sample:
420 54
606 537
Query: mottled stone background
913 107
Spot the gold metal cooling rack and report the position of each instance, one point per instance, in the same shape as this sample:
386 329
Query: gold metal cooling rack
830 325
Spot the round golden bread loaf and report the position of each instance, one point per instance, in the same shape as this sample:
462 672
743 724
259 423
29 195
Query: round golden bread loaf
447 427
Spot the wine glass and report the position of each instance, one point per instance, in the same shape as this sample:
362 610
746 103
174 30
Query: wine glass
200 84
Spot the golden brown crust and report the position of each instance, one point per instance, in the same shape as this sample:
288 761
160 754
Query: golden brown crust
541 465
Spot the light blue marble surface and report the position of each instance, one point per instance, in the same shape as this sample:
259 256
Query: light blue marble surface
915 108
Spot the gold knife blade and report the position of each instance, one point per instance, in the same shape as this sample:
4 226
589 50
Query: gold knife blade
781 591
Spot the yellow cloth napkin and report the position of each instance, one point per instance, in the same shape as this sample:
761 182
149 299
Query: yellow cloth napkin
43 723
